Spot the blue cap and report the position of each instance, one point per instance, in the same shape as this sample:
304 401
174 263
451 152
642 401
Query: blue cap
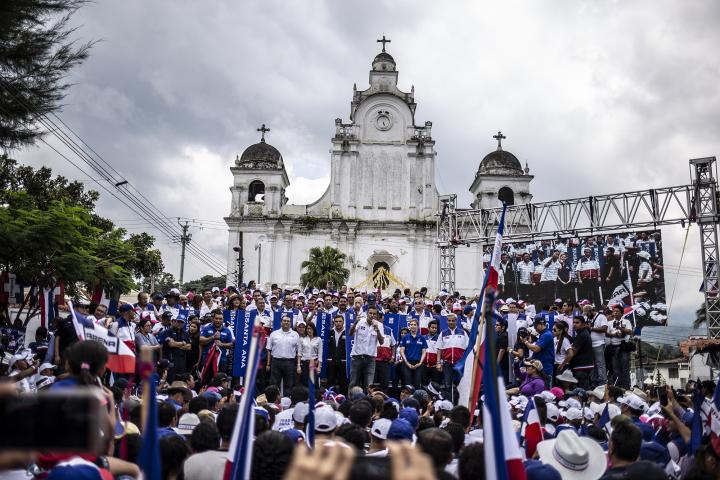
536 470
400 430
468 309
371 296
411 415
654 452
295 435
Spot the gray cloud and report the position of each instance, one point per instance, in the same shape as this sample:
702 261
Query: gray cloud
597 96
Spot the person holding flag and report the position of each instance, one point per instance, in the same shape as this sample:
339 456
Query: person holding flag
215 339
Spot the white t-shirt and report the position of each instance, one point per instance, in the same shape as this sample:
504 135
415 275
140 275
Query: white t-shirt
625 323
560 356
284 420
598 339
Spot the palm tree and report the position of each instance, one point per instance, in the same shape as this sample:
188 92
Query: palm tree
325 264
699 317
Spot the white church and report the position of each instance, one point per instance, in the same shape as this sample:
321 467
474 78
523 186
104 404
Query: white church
380 206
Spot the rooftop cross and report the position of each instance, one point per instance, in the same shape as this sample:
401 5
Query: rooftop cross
499 137
263 129
384 41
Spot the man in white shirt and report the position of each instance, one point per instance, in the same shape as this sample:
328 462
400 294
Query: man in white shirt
525 269
619 331
283 348
368 333
548 277
598 328
208 305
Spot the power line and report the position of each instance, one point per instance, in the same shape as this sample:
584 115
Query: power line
118 181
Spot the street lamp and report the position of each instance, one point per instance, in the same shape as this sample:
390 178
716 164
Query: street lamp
258 246
239 251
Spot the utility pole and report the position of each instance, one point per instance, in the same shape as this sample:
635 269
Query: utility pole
184 240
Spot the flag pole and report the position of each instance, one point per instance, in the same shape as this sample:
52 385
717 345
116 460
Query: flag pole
477 362
146 370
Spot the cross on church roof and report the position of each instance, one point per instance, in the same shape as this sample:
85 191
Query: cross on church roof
384 41
499 137
263 129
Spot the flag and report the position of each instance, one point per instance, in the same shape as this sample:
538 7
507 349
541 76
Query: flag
324 327
101 297
239 456
696 430
490 280
503 460
310 428
605 417
533 429
212 363
50 300
716 395
11 291
149 458
121 359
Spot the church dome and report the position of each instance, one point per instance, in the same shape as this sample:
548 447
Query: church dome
260 155
500 162
384 61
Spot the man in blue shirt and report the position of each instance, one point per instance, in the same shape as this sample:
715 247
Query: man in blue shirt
413 348
219 335
543 348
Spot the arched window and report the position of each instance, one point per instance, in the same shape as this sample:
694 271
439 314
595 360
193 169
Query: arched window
256 191
505 194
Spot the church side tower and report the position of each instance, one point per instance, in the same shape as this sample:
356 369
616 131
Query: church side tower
501 178
259 182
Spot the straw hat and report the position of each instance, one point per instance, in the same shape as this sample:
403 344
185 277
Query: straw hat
576 458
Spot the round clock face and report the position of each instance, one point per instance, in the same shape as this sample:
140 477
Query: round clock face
383 122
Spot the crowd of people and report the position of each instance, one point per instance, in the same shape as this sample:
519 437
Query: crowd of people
384 372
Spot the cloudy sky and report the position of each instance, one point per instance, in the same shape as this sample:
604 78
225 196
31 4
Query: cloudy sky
597 96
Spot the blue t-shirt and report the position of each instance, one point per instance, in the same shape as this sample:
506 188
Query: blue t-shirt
546 355
226 336
413 346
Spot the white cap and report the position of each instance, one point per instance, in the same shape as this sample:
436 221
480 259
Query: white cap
634 402
325 419
553 413
300 412
45 366
187 423
573 414
588 414
548 396
215 289
443 405
380 428
285 403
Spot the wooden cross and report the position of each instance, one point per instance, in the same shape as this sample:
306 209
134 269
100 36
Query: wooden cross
384 41
499 137
263 129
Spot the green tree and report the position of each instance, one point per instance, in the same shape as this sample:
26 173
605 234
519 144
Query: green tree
36 53
61 239
206 281
163 282
324 264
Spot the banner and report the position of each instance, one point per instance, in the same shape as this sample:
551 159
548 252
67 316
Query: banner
277 317
324 327
395 322
245 320
349 340
230 318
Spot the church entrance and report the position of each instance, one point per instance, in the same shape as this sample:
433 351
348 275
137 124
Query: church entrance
381 279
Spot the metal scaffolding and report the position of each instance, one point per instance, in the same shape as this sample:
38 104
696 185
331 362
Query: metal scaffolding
651 208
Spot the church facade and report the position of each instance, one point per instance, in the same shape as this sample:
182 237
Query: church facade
379 208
